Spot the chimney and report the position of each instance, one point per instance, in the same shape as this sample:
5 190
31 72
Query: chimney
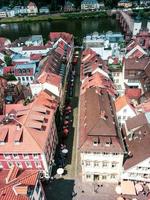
18 126
103 115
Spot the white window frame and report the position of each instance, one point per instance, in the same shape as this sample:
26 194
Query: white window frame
10 166
19 164
28 166
6 156
88 176
15 157
1 166
87 163
25 155
35 155
104 164
37 165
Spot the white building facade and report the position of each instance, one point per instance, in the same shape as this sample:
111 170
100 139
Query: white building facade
98 166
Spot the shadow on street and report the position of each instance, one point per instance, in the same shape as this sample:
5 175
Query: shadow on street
59 189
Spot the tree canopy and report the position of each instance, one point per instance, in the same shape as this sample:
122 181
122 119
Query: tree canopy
54 4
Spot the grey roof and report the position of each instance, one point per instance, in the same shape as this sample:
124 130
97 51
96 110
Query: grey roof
89 2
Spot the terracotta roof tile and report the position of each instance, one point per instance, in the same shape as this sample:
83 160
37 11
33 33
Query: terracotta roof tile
133 93
65 36
139 150
18 185
121 102
137 64
51 78
96 120
30 48
99 81
32 129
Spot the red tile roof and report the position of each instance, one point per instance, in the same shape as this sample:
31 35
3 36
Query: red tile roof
136 64
133 93
30 48
8 69
90 61
32 4
35 56
139 150
96 121
16 188
144 107
121 102
65 36
44 105
99 81
51 78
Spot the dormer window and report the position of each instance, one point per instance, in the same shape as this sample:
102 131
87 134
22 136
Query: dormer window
96 141
24 71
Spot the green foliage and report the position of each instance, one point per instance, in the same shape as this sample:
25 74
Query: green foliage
111 3
7 60
10 77
78 41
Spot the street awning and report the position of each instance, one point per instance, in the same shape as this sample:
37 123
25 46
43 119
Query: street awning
138 187
127 187
65 130
66 122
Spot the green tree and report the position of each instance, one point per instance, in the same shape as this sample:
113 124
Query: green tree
7 60
111 3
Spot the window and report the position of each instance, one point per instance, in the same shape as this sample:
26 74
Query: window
10 164
88 176
31 78
117 81
24 71
19 79
104 177
35 155
25 156
37 164
125 110
113 176
28 71
28 164
96 164
124 117
1 166
119 87
18 164
15 156
23 78
104 153
119 117
6 156
104 164
87 163
113 165
114 154
37 187
27 78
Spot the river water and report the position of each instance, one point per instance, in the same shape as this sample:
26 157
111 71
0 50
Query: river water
78 28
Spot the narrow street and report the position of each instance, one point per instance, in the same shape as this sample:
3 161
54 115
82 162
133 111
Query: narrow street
63 188
65 184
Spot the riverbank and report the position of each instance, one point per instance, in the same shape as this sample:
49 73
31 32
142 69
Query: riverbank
52 17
